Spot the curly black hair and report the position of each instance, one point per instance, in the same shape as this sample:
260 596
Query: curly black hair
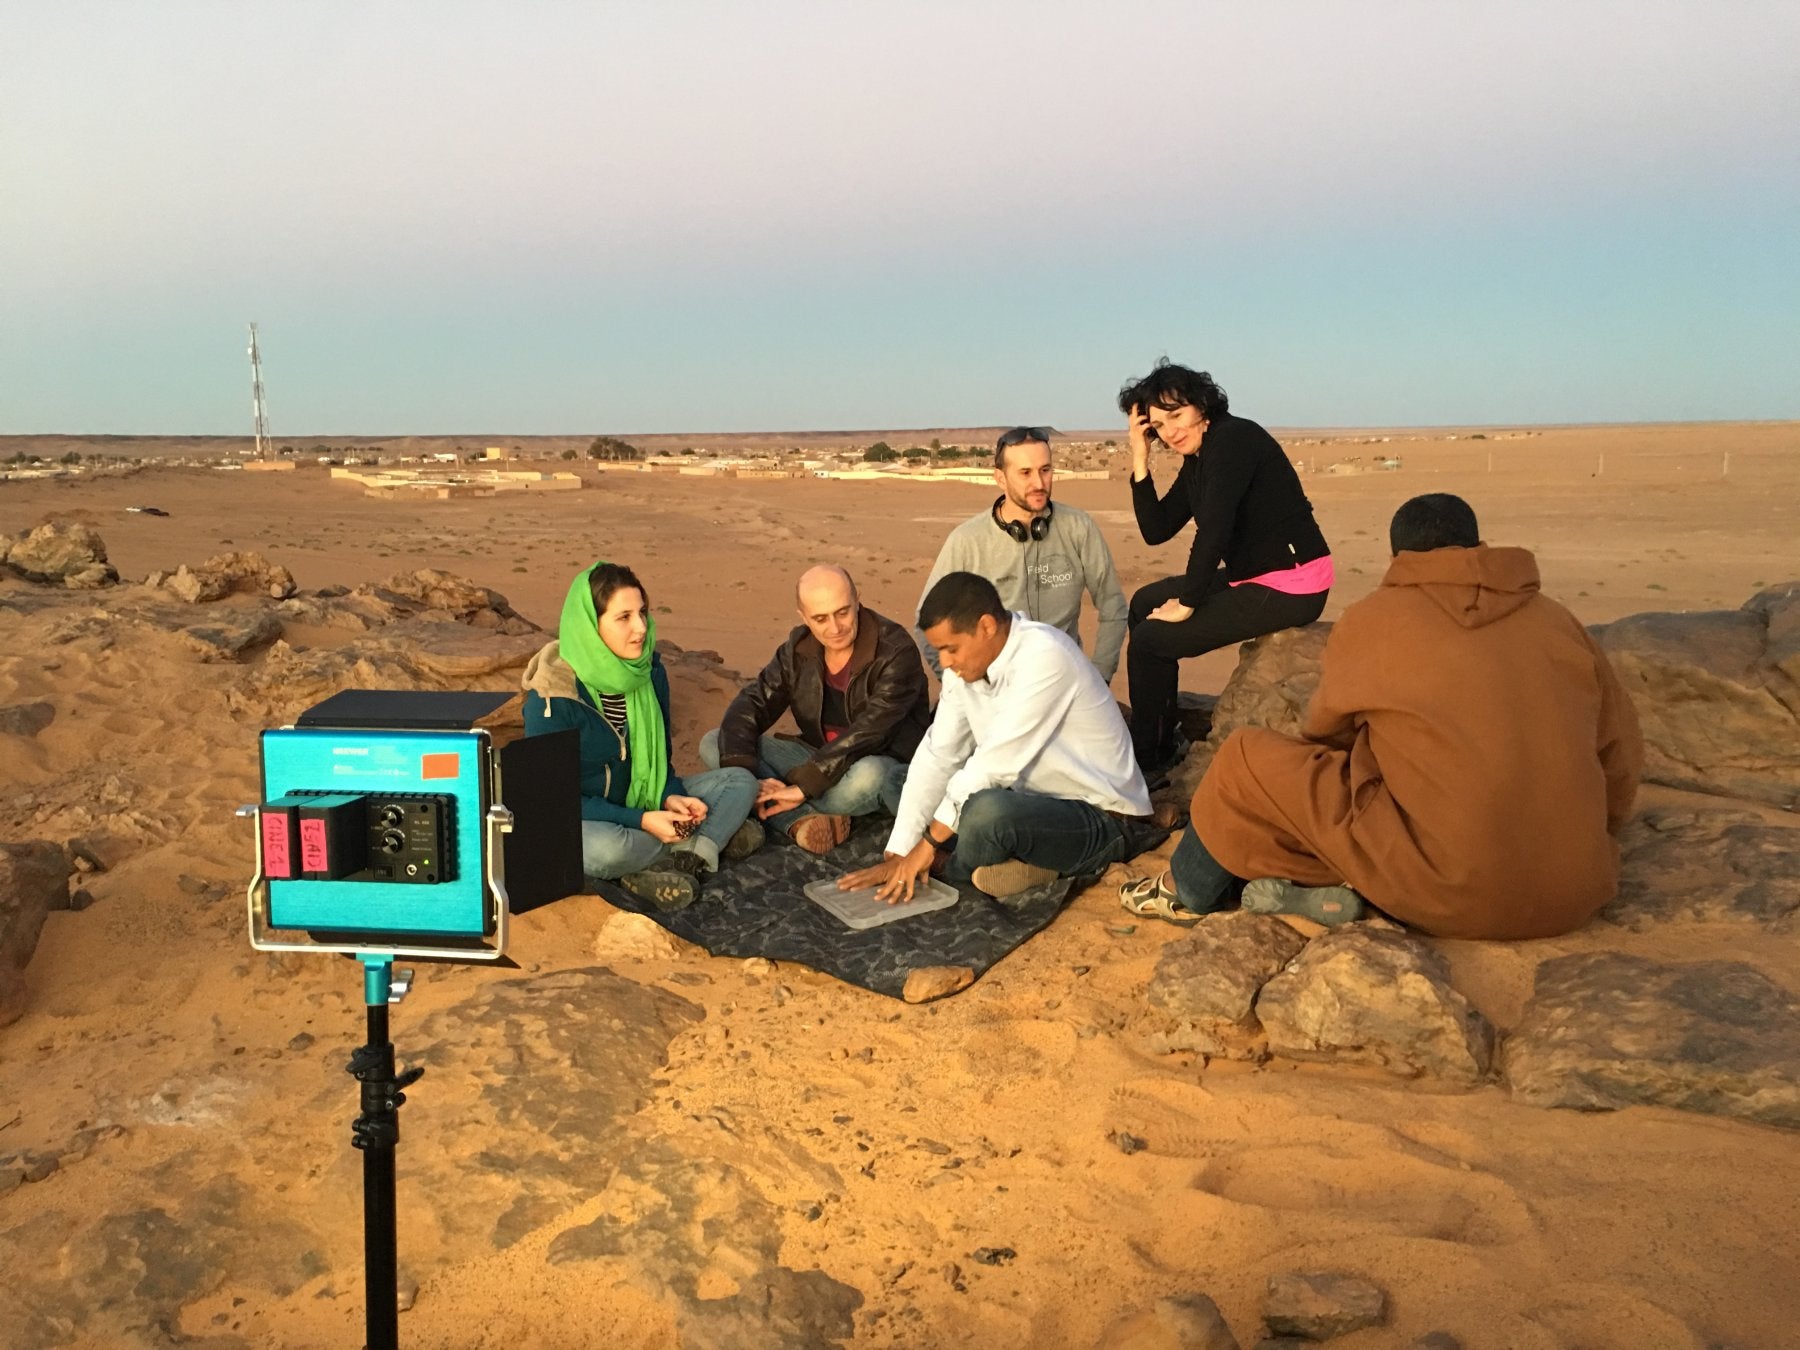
1172 386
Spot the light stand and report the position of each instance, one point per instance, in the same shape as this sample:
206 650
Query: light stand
376 1131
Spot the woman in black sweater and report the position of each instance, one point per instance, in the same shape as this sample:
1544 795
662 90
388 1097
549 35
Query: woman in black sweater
1258 563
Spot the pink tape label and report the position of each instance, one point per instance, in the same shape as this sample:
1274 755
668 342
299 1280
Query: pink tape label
314 855
276 859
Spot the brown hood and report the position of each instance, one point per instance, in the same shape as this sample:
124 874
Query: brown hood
1474 586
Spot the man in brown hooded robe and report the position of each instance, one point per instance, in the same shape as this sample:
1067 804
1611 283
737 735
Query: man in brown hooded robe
1464 765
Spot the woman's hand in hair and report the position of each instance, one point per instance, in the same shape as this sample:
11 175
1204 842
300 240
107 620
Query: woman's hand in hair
1138 433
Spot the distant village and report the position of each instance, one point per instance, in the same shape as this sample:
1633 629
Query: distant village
461 466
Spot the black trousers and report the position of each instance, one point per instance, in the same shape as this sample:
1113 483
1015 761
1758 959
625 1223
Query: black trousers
1225 614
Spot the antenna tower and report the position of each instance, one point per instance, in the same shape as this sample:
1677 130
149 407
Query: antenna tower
256 399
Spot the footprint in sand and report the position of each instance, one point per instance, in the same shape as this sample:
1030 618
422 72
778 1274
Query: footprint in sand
1401 1195
1174 1118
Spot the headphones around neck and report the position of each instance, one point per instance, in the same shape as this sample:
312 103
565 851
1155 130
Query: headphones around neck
1039 527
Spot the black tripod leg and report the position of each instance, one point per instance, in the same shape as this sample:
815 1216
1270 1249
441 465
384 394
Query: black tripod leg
376 1131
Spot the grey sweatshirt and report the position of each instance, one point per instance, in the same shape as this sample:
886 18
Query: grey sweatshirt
1042 579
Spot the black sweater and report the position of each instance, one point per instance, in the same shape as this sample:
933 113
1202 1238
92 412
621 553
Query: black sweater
1245 500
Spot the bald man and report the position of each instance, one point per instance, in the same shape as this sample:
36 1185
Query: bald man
856 687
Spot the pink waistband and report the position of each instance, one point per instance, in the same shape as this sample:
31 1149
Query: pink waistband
1308 578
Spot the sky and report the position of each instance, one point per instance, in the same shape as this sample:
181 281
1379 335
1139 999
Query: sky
667 215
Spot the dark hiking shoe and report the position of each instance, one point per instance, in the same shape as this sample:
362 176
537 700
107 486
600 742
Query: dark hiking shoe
1329 905
670 883
744 841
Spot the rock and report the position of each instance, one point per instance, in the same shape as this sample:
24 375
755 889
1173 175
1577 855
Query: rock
70 554
42 1168
224 574
929 982
1366 996
627 937
406 1291
405 655
81 899
1273 682
1436 1340
1207 982
1194 714
759 966
1179 1322
430 589
34 880
1717 694
26 719
1605 1030
228 641
1322 1305
1707 867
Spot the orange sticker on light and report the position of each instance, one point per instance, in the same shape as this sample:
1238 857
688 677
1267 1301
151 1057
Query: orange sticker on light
440 766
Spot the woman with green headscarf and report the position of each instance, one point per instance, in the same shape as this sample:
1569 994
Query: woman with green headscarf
641 825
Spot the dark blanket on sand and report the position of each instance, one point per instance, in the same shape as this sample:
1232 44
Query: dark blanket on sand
758 907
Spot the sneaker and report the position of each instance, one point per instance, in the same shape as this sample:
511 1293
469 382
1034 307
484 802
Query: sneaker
819 834
1329 905
744 841
670 883
1011 877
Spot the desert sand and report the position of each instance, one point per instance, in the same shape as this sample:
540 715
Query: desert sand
627 1143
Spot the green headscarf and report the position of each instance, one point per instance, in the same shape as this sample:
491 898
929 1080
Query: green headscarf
603 672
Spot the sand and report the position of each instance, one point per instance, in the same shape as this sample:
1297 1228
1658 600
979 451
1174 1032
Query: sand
811 1124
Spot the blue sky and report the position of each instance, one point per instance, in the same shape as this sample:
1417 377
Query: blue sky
674 216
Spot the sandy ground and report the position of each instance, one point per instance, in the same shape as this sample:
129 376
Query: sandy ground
812 1124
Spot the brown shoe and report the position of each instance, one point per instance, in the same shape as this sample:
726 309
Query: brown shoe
818 835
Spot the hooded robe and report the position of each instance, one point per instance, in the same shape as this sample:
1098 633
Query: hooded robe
1465 763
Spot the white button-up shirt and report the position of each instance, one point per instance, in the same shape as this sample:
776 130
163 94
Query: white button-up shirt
1041 720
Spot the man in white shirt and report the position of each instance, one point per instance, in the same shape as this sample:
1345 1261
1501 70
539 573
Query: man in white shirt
1027 772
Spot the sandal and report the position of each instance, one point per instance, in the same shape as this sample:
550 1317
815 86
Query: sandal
1149 898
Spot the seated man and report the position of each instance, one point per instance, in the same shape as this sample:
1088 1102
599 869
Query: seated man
1027 771
1464 765
857 690
1039 556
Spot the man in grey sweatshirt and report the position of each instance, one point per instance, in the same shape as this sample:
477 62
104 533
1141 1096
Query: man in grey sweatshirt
1040 557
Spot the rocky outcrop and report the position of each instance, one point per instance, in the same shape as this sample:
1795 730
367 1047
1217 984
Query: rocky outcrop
1365 995
231 639
1718 695
1206 983
61 553
446 593
428 594
34 880
230 574
405 656
1605 1030
1718 866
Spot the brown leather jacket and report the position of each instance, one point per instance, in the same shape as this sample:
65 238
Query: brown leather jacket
888 703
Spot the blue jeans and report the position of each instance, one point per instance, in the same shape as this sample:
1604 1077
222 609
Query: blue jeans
1200 883
1069 837
869 785
609 850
